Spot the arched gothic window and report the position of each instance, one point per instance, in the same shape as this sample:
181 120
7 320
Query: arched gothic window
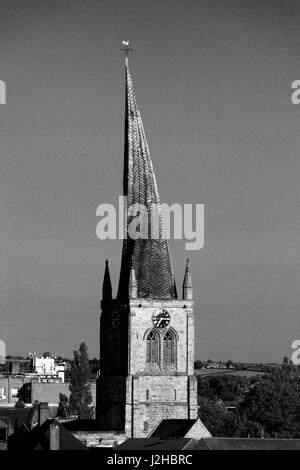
169 348
152 347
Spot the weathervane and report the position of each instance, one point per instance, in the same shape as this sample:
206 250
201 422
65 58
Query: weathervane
125 47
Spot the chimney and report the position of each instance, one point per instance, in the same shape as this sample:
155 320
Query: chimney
54 436
15 367
44 412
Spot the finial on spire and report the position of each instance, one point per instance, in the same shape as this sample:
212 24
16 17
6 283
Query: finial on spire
106 286
187 286
125 47
132 284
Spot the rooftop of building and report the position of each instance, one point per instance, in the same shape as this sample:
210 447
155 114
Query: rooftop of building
177 428
153 444
38 438
232 443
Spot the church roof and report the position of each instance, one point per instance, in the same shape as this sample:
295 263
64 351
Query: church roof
179 428
155 444
149 256
173 428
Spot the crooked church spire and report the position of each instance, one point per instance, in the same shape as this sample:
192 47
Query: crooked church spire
150 258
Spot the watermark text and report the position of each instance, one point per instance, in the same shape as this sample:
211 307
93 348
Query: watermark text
2 92
154 221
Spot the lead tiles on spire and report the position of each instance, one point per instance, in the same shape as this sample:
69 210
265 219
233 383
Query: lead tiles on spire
150 257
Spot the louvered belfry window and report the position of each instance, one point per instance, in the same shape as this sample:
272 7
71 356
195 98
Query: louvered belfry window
169 348
152 347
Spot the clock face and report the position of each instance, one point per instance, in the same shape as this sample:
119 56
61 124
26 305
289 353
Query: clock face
161 318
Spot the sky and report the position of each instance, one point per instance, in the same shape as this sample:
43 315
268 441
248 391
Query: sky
213 83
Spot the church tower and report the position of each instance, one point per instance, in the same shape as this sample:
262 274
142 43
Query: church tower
146 332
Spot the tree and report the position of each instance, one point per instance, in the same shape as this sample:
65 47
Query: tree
217 419
266 406
272 406
80 387
228 388
94 366
198 364
62 406
20 404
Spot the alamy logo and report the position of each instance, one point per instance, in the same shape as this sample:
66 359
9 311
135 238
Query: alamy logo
296 354
295 96
142 222
2 352
2 92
